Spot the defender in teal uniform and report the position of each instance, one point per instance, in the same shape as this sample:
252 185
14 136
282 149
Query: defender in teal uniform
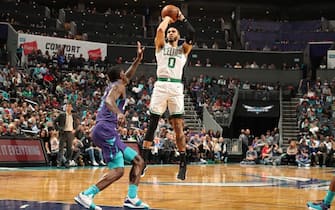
105 135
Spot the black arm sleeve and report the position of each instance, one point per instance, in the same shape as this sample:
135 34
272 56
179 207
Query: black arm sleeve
190 37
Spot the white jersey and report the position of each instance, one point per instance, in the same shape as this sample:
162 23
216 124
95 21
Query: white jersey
170 62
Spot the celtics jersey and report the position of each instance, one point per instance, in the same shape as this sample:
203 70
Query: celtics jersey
170 62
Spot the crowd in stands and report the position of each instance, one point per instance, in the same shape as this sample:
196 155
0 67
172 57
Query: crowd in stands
266 35
315 119
204 146
216 94
32 97
248 65
263 149
61 61
315 144
300 152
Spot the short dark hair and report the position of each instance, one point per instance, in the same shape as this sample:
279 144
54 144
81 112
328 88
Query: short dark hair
114 73
173 26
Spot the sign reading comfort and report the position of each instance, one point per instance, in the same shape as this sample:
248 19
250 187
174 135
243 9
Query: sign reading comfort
53 45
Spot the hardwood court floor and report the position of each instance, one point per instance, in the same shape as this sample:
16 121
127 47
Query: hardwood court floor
218 186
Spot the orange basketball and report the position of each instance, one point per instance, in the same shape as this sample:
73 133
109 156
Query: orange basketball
171 11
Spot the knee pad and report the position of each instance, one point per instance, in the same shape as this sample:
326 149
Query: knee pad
150 134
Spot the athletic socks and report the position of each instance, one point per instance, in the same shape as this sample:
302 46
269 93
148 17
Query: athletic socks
93 190
132 191
182 156
329 197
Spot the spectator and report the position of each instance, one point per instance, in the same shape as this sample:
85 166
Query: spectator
168 148
244 139
322 154
266 154
19 52
237 65
303 158
224 152
54 148
66 123
314 149
208 62
76 155
198 63
277 154
291 152
250 157
254 65
217 149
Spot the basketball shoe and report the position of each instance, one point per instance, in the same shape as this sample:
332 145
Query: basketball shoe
86 201
318 205
145 168
135 203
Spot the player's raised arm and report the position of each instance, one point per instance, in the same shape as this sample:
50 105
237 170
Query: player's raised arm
160 32
190 36
132 69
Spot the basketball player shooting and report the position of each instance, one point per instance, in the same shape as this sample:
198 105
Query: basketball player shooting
168 89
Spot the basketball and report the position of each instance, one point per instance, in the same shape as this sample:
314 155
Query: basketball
171 11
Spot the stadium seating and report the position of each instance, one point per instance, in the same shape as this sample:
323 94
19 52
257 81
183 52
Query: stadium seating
283 36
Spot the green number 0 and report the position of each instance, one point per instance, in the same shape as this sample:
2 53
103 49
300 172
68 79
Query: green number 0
172 62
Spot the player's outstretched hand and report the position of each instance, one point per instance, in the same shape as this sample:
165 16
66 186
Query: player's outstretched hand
140 50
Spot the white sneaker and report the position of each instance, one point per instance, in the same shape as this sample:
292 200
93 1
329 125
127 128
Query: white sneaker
135 203
95 163
145 168
86 202
202 160
102 163
72 163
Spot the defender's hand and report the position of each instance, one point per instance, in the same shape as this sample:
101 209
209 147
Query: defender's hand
140 51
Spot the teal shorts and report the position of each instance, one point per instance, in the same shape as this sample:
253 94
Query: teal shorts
118 160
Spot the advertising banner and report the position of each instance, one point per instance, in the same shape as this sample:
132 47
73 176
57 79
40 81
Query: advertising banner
29 47
70 46
21 152
94 54
331 59
257 108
